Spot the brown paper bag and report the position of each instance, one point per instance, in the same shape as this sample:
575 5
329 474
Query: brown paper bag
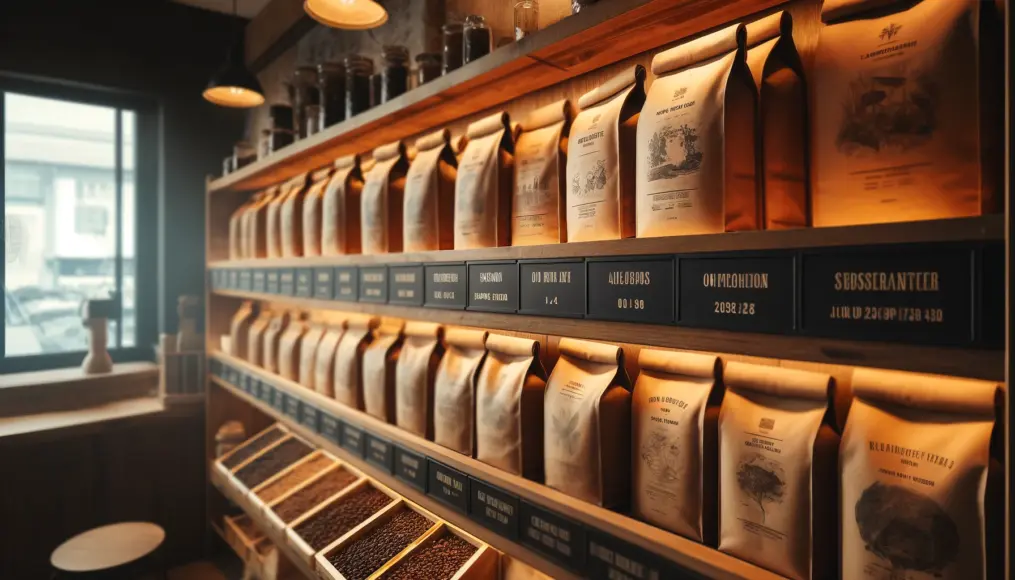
289 344
237 244
483 188
782 119
308 353
696 157
324 364
272 335
587 423
455 389
675 413
915 458
382 200
415 375
239 327
430 195
348 378
291 217
777 470
340 205
600 179
509 406
255 337
254 226
898 119
313 212
538 214
379 361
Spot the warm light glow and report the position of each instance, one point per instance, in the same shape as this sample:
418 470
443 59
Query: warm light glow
237 97
349 14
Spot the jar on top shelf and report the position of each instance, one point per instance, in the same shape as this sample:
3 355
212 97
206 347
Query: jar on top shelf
331 83
478 40
395 74
358 69
452 51
304 92
428 67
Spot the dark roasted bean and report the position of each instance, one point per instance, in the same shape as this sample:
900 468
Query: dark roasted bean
439 560
363 557
272 461
334 521
252 447
298 475
307 498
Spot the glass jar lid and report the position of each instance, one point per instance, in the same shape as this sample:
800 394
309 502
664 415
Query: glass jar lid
305 75
475 21
394 54
429 58
451 27
359 64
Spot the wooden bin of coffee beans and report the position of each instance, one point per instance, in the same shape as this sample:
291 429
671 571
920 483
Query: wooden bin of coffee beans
360 553
337 517
242 535
224 466
271 460
446 553
283 481
300 500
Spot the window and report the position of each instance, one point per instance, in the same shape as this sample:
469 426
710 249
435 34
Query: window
70 173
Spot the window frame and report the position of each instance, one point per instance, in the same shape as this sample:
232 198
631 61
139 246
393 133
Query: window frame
147 139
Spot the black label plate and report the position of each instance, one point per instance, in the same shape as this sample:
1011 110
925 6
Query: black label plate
373 284
447 485
553 288
495 509
347 283
248 384
405 285
444 285
292 407
278 401
234 279
380 453
352 439
287 282
632 290
304 283
246 280
271 282
324 283
613 559
259 283
265 392
410 467
748 294
331 428
555 536
493 286
920 296
309 417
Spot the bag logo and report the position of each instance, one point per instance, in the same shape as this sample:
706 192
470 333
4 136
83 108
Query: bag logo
888 32
766 424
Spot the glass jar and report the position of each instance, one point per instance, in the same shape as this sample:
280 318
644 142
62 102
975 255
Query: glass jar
304 92
395 74
526 18
358 69
478 42
331 84
451 56
227 165
280 116
243 154
428 67
375 89
314 114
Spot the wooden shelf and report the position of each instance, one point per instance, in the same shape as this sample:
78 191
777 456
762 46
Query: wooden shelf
600 35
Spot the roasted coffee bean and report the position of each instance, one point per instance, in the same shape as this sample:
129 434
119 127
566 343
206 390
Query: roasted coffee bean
338 518
252 447
298 475
307 498
439 560
364 556
259 470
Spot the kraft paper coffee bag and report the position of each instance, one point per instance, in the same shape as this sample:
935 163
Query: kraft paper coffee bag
308 352
430 195
455 389
782 119
272 335
415 375
255 337
777 470
379 361
695 155
313 203
348 378
382 200
483 188
237 244
324 364
675 414
509 406
239 327
898 124
254 226
600 167
289 344
291 217
340 205
915 460
538 214
587 423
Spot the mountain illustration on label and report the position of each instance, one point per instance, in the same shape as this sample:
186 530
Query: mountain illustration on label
888 111
661 162
565 428
762 480
661 455
906 528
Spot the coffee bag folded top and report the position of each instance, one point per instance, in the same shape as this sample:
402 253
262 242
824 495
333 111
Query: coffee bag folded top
272 335
273 221
255 337
313 212
348 379
455 389
237 244
675 414
901 111
429 211
915 460
483 188
538 214
509 406
289 346
254 226
379 362
782 118
340 206
587 423
695 157
239 327
415 375
777 474
324 362
292 217
600 180
309 344
382 200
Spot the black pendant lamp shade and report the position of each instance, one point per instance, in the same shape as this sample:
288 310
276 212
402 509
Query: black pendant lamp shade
234 85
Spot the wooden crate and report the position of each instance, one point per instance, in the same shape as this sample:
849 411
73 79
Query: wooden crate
302 548
217 465
484 563
326 571
231 474
238 540
268 563
275 523
252 494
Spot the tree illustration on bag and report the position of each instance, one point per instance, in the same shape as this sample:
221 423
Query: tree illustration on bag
661 162
762 480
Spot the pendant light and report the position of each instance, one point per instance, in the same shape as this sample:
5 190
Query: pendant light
234 85
348 14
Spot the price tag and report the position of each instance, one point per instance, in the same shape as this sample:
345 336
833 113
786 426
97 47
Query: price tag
405 285
747 294
287 282
292 407
248 384
259 283
380 453
246 280
444 285
352 439
278 400
410 467
495 509
309 417
234 279
447 485
265 392
613 559
304 283
632 290
553 288
493 286
347 283
324 283
373 284
331 428
554 536
272 282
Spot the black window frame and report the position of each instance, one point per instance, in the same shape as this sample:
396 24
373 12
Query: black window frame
147 140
